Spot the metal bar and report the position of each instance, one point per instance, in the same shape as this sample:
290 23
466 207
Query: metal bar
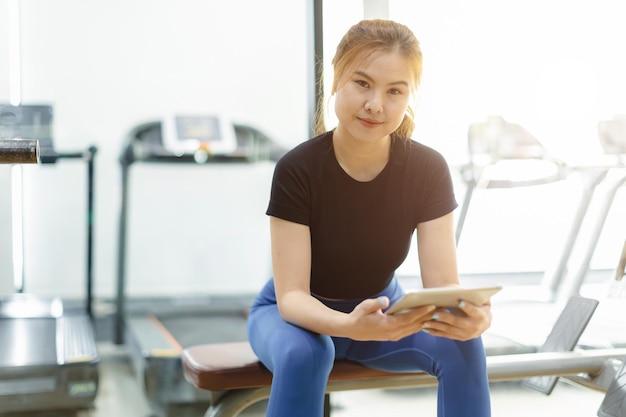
469 191
315 28
620 271
20 151
573 285
552 279
120 301
91 152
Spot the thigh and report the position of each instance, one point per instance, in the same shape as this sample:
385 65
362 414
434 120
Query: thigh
279 343
299 360
421 352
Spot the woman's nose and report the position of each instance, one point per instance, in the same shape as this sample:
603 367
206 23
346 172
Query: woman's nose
373 103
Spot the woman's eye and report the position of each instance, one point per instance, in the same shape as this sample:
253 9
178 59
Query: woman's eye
362 83
395 91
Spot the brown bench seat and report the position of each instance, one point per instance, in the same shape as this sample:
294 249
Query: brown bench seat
226 366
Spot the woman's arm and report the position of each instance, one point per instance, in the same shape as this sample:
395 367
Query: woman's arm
291 259
437 252
438 265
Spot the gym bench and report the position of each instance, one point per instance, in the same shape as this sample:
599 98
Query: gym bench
235 379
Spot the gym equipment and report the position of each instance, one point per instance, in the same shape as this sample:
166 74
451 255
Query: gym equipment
48 356
564 337
235 379
614 403
211 134
612 136
505 155
19 151
620 271
29 122
157 335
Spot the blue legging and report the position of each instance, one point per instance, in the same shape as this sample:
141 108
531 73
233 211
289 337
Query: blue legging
301 361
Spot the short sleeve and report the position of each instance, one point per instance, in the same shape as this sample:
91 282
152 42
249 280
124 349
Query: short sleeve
290 191
438 195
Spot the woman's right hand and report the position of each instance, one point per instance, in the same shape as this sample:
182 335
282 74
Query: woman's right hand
369 322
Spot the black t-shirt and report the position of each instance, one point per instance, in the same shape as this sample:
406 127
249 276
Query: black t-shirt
360 231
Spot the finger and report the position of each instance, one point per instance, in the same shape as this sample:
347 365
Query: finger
438 328
420 313
374 304
468 308
454 327
450 315
445 321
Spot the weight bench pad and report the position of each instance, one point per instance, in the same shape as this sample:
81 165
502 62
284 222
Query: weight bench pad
229 366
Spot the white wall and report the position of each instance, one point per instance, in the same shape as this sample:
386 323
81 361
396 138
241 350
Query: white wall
108 65
554 66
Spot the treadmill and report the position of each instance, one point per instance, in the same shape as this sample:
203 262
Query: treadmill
48 356
157 331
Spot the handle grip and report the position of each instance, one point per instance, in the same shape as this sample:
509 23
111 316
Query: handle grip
19 151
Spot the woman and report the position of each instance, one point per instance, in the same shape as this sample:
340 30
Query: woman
343 208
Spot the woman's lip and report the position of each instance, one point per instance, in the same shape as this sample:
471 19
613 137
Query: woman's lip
370 122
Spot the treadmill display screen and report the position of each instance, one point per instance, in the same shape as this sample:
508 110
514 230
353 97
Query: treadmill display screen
203 129
188 133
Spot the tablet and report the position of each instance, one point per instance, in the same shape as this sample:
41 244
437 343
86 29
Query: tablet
443 297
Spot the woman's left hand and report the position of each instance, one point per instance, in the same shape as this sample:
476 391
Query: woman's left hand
465 322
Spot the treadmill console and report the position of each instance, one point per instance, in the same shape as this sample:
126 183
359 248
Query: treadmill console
190 133
29 122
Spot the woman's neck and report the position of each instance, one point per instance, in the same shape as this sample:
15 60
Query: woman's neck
361 160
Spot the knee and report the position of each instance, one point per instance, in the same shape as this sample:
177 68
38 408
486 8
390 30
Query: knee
305 353
467 357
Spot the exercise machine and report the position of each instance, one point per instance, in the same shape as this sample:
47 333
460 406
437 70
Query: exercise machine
48 355
158 333
505 155
612 137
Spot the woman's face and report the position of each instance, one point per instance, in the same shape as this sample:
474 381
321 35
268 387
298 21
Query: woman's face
373 97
